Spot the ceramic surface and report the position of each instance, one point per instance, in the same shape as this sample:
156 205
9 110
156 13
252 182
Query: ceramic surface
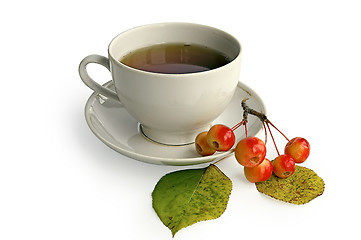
172 108
113 125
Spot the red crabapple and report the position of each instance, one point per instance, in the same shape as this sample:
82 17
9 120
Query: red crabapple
202 146
250 151
221 137
283 166
298 148
259 173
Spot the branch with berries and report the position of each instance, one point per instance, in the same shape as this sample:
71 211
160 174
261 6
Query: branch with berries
250 152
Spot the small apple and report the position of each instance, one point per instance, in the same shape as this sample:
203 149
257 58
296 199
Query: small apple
284 166
259 173
202 146
250 151
298 148
221 137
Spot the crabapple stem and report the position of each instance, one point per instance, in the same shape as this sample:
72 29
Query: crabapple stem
274 142
237 125
265 133
277 130
245 128
263 118
247 110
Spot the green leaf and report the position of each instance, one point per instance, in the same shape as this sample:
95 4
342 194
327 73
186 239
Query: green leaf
185 197
300 188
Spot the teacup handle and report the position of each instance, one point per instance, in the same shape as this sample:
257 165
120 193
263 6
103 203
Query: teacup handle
90 82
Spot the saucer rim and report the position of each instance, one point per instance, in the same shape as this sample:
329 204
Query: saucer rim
162 160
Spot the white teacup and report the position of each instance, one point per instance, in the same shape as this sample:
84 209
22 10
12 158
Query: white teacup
171 108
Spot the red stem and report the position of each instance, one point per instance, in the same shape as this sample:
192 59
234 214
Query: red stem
265 133
274 142
245 128
278 130
237 125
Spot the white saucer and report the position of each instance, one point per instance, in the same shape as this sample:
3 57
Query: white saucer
112 124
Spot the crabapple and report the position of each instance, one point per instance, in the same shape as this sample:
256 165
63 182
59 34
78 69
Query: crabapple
283 166
220 137
250 151
202 146
259 173
298 148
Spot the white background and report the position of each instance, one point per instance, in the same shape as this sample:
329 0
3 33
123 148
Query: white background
58 181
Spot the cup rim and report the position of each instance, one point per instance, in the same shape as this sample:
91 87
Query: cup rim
117 62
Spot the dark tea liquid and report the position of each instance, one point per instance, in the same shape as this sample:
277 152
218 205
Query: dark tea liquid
175 58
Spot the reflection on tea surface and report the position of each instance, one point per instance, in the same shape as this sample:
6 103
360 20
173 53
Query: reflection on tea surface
175 58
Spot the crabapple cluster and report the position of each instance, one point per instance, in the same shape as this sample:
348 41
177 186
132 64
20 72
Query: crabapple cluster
218 138
250 152
296 150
